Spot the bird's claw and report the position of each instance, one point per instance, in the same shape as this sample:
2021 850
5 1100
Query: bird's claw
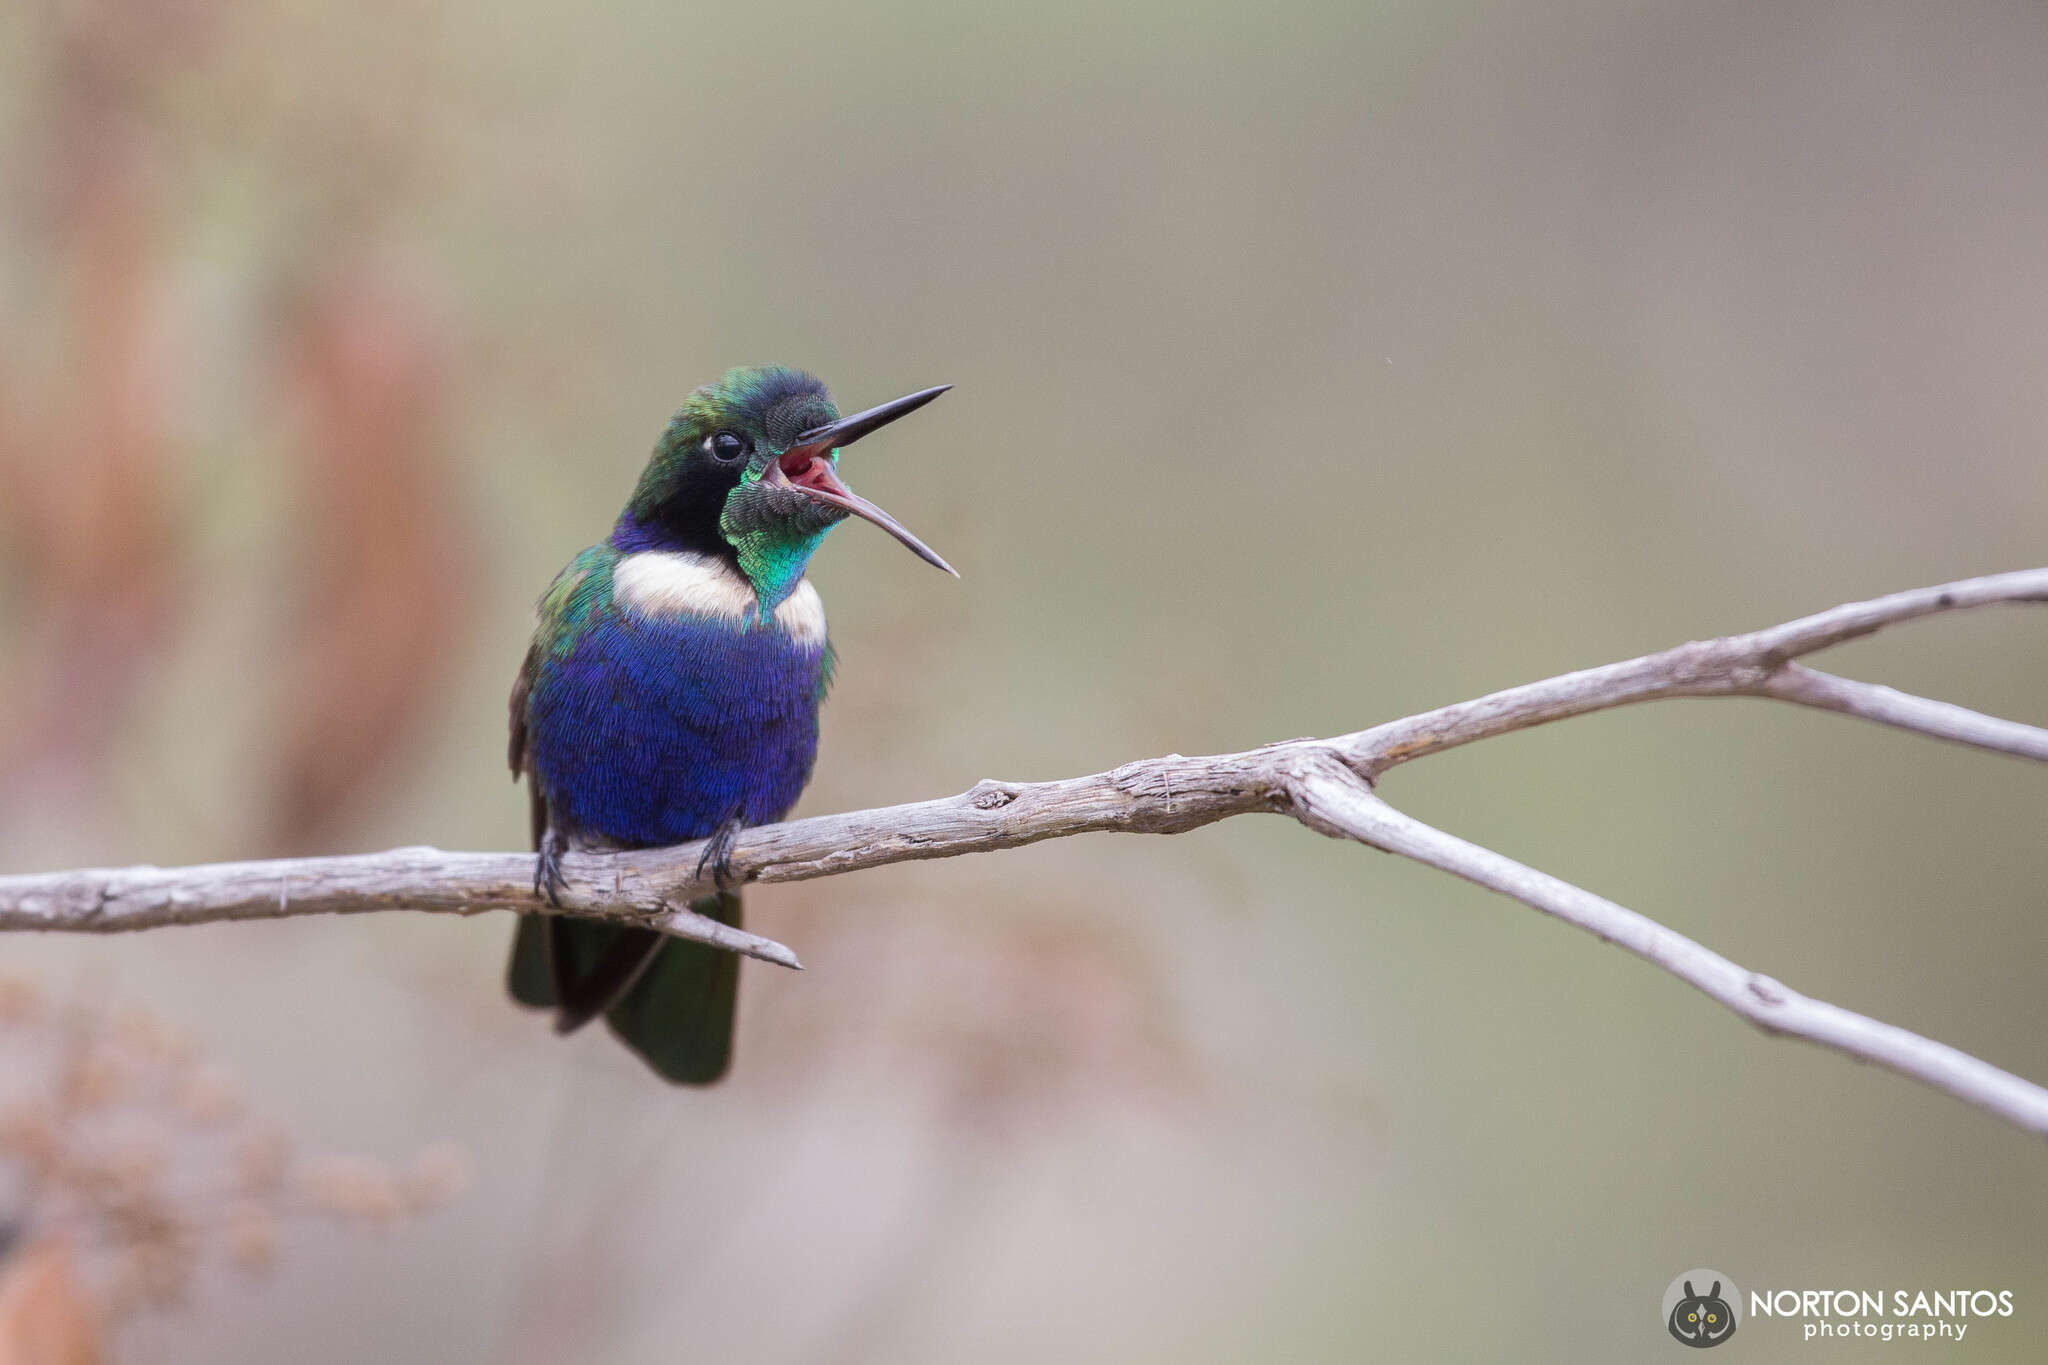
717 853
548 879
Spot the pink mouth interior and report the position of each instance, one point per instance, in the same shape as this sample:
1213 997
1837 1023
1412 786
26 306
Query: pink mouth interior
810 471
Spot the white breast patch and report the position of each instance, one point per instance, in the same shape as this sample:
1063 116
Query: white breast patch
802 614
658 583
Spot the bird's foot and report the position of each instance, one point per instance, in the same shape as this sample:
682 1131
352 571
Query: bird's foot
717 853
547 867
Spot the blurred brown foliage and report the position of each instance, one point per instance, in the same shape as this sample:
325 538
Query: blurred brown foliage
130 1163
99 524
379 610
47 1315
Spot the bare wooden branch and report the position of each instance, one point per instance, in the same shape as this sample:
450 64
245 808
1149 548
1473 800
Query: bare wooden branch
1326 784
1870 701
117 899
1735 665
1338 802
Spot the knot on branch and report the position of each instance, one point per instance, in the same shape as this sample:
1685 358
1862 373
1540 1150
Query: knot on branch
989 794
1770 991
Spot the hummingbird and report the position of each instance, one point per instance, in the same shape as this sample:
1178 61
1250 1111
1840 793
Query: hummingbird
671 693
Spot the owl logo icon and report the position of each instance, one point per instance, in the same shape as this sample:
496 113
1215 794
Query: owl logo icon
1696 1319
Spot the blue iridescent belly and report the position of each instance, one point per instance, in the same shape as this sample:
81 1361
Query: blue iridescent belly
656 731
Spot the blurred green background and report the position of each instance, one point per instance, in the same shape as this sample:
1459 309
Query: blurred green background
1315 365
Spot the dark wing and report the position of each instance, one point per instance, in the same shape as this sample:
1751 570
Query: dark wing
576 967
580 967
516 752
530 976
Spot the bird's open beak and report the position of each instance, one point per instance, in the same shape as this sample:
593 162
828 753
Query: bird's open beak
806 467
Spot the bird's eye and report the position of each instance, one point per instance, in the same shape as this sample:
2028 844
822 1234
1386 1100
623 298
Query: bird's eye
727 447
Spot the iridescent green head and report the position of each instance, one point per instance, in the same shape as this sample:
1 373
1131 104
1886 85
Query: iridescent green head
749 469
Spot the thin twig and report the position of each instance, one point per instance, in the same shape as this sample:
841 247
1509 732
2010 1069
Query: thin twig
1323 783
1339 803
1887 706
1735 665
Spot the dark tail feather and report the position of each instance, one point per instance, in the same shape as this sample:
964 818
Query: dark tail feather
594 966
578 967
669 1000
528 976
678 1014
